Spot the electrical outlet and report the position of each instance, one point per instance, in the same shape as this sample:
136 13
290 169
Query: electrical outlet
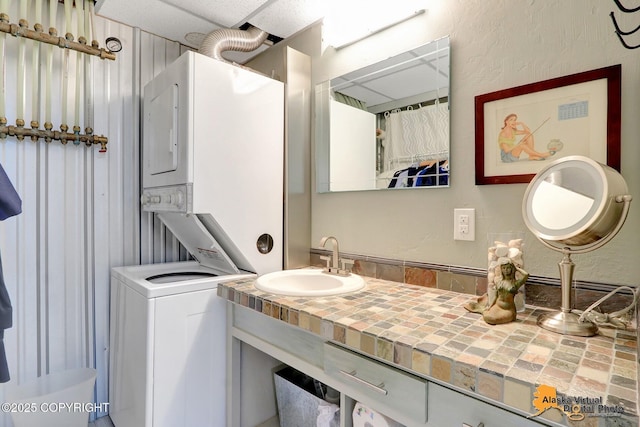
464 224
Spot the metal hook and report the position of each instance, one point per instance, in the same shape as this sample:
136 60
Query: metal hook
624 9
621 33
625 44
617 27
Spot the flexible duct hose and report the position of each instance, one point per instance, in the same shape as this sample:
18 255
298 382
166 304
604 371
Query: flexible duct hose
224 39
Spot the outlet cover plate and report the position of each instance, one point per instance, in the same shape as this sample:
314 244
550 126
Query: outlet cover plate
464 224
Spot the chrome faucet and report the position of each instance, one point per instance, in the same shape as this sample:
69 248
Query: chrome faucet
333 262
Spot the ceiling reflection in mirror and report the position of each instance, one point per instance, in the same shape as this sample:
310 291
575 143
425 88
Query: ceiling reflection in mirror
386 126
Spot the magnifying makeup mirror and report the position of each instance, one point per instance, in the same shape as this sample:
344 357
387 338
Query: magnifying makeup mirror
574 205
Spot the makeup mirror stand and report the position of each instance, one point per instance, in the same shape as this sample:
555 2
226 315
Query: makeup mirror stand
565 321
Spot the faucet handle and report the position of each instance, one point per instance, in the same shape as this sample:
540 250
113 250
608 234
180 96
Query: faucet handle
344 263
328 260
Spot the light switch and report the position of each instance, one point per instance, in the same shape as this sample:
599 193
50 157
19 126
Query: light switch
464 224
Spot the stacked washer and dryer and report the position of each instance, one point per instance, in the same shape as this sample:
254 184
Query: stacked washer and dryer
213 171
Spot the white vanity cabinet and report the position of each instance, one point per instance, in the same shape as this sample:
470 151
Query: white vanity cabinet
407 398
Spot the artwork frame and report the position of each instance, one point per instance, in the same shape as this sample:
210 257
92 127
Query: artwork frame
573 114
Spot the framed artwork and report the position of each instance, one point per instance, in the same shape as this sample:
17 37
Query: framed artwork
519 130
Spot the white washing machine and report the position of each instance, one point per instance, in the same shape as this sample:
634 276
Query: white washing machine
168 336
213 151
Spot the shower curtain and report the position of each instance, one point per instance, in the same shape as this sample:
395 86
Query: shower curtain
414 135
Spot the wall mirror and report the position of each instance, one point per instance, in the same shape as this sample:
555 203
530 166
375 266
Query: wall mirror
386 126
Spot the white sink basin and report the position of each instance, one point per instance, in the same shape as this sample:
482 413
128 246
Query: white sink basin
308 283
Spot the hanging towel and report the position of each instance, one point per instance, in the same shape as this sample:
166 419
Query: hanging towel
10 205
6 321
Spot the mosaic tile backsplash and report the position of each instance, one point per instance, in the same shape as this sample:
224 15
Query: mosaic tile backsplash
426 330
474 281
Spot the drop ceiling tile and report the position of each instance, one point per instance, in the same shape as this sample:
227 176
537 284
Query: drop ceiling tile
284 18
227 13
152 16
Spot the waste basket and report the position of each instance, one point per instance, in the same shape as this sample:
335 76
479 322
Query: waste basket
60 399
300 401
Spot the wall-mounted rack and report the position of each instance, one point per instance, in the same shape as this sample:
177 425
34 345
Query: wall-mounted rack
48 134
67 42
83 89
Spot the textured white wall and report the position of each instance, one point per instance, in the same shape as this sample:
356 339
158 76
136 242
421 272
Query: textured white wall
494 45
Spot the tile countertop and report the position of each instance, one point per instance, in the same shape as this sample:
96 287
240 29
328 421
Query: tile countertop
429 332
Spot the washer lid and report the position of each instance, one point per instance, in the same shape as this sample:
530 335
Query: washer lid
179 276
199 241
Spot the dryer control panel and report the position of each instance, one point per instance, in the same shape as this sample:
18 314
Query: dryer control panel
176 198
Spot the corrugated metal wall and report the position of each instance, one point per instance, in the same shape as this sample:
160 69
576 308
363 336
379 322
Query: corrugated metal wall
80 211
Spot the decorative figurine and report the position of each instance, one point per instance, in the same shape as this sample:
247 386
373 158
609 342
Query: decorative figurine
503 308
498 305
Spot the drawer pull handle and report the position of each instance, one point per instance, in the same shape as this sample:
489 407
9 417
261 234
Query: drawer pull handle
377 388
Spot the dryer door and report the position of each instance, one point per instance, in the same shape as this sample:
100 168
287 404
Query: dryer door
199 242
163 110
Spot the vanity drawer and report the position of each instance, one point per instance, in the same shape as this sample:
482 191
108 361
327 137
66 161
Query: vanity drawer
388 390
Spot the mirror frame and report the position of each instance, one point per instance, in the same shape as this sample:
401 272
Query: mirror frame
606 185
